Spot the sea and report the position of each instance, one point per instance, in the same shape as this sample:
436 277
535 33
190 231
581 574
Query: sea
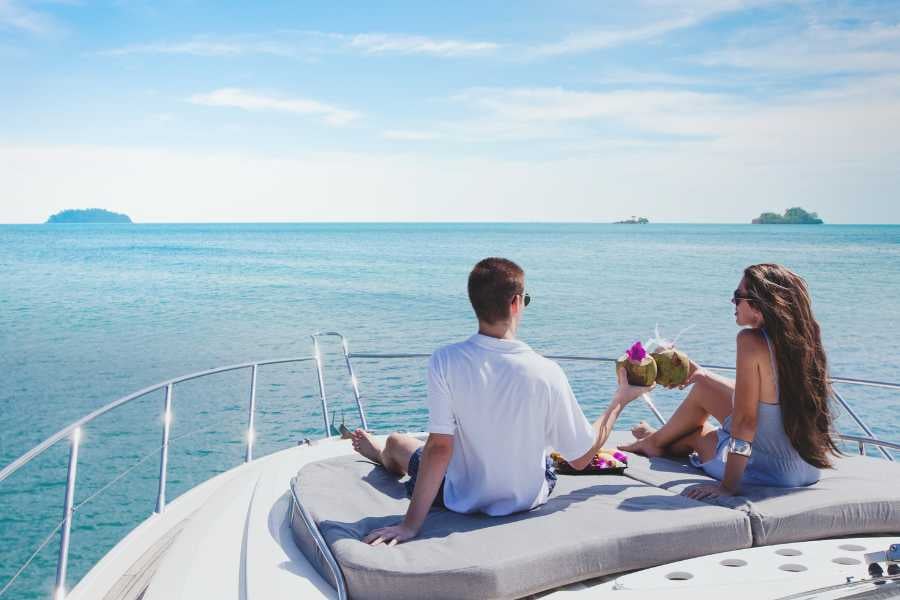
91 313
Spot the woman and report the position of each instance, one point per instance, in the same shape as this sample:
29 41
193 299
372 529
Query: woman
776 416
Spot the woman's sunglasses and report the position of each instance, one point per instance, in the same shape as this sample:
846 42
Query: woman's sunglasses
736 298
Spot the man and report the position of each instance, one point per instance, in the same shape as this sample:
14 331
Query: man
495 407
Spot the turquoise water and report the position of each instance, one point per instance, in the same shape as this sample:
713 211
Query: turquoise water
89 313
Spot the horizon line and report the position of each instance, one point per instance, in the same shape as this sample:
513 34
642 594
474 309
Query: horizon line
472 222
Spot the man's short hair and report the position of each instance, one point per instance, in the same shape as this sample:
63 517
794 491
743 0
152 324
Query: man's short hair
493 283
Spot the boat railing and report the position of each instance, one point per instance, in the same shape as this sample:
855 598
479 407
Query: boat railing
73 431
869 439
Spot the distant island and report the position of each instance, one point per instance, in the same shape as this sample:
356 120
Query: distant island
633 221
88 215
792 216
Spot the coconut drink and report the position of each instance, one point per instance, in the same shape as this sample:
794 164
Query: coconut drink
672 366
639 366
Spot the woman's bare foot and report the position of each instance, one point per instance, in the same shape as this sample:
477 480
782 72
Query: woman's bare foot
642 430
364 444
644 447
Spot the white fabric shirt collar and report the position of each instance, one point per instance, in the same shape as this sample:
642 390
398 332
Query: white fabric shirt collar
498 344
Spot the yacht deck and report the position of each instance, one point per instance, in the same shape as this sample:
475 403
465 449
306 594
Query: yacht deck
230 538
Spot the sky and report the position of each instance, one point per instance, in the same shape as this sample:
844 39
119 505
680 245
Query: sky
703 111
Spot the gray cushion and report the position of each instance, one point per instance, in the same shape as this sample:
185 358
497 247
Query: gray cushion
673 474
859 496
592 526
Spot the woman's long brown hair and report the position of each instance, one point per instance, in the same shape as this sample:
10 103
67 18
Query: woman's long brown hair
783 299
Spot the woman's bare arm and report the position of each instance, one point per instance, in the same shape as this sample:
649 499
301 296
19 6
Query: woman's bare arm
746 404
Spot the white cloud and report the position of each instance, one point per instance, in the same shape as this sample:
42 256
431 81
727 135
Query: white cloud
685 16
859 121
209 46
305 42
254 101
537 110
298 44
818 49
626 77
605 38
383 43
410 135
630 118
15 15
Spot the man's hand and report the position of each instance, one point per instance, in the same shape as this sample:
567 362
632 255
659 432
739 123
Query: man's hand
626 392
707 490
432 468
603 426
391 535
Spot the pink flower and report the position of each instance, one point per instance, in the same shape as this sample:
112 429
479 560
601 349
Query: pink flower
636 352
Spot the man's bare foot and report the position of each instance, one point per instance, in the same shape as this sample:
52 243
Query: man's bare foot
642 430
644 447
365 445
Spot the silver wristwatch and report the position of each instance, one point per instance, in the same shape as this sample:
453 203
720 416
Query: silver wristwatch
741 447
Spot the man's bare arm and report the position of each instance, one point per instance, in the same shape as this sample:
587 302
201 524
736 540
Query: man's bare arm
435 459
603 426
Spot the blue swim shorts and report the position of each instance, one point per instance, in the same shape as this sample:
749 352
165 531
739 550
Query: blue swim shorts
413 470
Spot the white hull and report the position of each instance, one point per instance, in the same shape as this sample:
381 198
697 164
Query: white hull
230 539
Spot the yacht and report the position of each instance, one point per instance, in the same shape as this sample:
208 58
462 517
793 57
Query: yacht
288 525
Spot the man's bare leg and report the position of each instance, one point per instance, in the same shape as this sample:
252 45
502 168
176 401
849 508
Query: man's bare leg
395 455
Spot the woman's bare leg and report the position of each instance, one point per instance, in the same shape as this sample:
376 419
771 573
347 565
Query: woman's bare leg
395 455
703 442
642 430
702 401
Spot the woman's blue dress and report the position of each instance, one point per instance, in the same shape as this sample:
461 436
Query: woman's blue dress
774 460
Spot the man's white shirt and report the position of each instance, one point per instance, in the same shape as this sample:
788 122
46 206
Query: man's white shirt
507 407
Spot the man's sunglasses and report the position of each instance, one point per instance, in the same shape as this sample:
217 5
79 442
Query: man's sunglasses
526 298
